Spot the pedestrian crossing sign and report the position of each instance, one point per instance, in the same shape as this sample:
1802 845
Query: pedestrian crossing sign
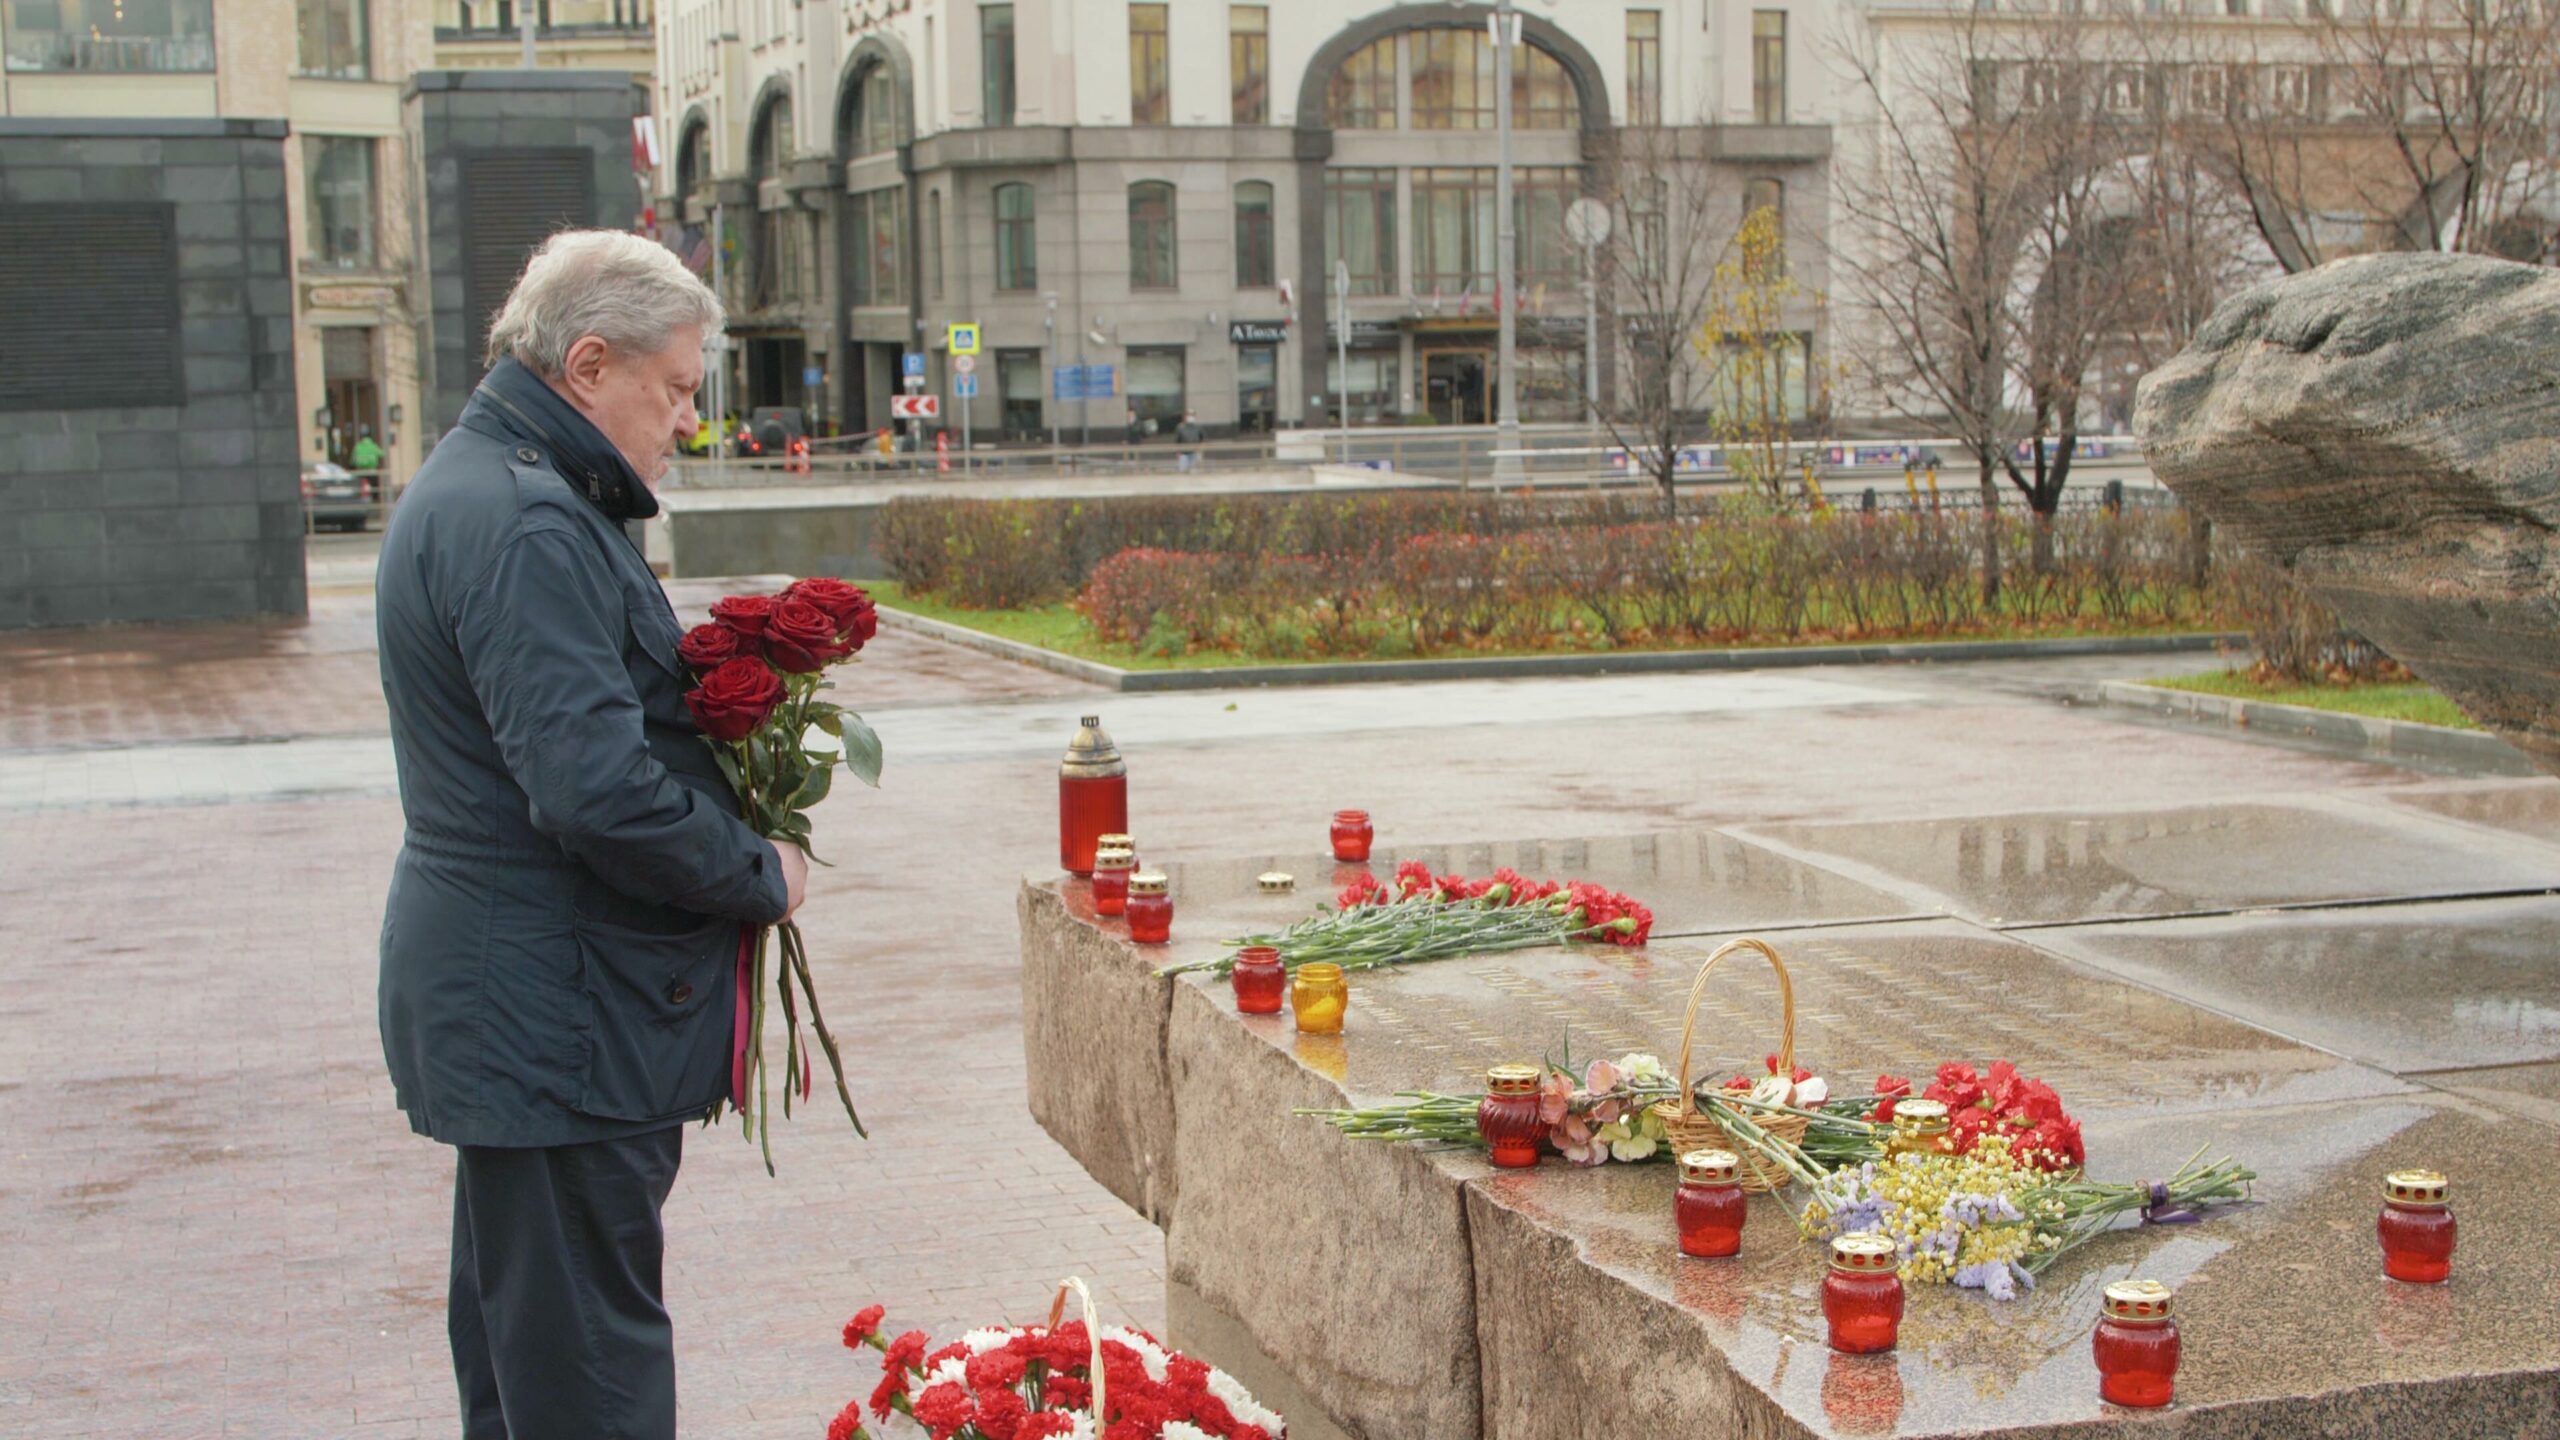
964 339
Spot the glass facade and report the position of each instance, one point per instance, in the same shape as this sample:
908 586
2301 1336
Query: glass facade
1453 84
1453 231
1370 385
1360 227
1249 62
330 39
1362 94
1150 83
338 200
875 273
109 35
1155 386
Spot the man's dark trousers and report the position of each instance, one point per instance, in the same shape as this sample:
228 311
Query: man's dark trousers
559 1329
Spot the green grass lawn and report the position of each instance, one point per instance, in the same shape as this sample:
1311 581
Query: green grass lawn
2413 702
1060 629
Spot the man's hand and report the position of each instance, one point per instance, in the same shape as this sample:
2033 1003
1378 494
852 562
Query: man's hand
795 876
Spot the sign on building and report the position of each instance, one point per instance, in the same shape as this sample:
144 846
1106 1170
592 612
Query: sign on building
1257 332
964 339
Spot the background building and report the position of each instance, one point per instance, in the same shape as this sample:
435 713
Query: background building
1161 191
614 35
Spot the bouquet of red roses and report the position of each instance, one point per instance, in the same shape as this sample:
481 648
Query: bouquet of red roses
761 664
1078 1380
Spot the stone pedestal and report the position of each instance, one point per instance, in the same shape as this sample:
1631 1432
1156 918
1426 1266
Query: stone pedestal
1401 1291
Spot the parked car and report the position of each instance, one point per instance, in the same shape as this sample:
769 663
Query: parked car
337 498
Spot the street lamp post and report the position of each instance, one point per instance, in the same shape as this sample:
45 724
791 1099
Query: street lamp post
1506 433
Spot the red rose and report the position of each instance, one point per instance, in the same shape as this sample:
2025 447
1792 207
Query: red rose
864 1324
708 647
745 614
735 698
830 594
799 637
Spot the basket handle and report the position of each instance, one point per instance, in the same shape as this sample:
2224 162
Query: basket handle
1698 989
1092 1333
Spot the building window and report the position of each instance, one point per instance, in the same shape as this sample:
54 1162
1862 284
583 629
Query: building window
1453 84
330 35
99 281
1362 94
1257 263
1453 231
337 177
125 35
1370 385
933 243
1017 239
1151 253
1644 67
1155 386
1769 67
1249 62
1150 82
1539 197
995 61
1257 389
1018 390
874 130
1769 195
875 271
776 273
1360 228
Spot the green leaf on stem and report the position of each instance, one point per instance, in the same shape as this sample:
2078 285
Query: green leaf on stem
827 718
814 789
861 749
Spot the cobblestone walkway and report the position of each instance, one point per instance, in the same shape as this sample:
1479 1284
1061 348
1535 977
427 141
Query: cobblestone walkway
217 1225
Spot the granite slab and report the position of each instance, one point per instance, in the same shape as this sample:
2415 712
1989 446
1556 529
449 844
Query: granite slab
2402 987
2070 868
2531 1092
2529 808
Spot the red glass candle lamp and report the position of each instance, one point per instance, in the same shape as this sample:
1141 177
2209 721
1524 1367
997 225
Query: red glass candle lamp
1507 1117
1150 908
1261 982
2136 1345
1111 871
1352 836
1093 796
1710 1208
2416 1227
1862 1296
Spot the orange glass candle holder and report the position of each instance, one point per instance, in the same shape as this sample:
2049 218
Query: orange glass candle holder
1319 995
1862 1296
2136 1346
1507 1117
1710 1206
2416 1227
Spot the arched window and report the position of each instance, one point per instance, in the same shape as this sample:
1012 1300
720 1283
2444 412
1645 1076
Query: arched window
1362 94
1017 239
693 159
1151 242
774 277
1257 262
1453 84
874 122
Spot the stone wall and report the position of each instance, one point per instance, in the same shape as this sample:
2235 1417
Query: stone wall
452 113
187 511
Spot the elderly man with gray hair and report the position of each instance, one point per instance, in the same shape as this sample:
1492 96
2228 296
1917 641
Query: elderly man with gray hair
560 948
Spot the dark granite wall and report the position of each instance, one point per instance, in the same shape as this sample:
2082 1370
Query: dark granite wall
166 512
452 112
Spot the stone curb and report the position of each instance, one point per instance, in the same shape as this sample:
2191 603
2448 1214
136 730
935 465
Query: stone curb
2382 738
1516 667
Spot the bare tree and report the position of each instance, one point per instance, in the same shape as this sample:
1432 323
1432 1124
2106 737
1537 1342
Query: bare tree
1657 277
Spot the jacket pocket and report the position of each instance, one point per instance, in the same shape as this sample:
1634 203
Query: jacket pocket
659 1013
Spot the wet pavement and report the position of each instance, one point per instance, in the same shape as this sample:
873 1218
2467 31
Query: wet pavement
199 1128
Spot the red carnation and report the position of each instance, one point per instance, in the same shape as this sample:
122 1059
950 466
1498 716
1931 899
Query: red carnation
848 1423
953 1351
1892 1088
708 647
745 614
893 1386
864 1324
799 637
942 1409
1000 1414
1047 1425
735 698
904 1353
995 1370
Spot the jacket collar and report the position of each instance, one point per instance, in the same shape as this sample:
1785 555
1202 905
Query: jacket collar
515 404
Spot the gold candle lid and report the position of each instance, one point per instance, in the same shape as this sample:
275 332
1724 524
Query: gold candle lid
1865 1253
2422 1188
2137 1302
1512 1080
1115 859
1115 840
1147 882
1276 882
1710 1167
1921 1116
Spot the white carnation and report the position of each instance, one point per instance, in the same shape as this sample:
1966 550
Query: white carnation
1183 1430
1810 1093
954 1371
1240 1402
1149 1353
982 1341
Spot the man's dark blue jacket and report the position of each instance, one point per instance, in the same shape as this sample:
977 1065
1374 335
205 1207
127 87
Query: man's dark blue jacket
566 910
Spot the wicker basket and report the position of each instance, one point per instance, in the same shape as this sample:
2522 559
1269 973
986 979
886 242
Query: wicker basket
1689 1127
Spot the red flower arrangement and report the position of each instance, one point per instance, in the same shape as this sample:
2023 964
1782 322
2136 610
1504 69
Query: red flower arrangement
2004 1102
1039 1382
1607 914
760 666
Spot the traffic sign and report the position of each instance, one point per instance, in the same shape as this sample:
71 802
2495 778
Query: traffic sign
915 407
915 382
964 338
915 365
964 364
964 386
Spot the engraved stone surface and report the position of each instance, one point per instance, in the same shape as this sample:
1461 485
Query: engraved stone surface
2403 987
2042 869
2385 428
